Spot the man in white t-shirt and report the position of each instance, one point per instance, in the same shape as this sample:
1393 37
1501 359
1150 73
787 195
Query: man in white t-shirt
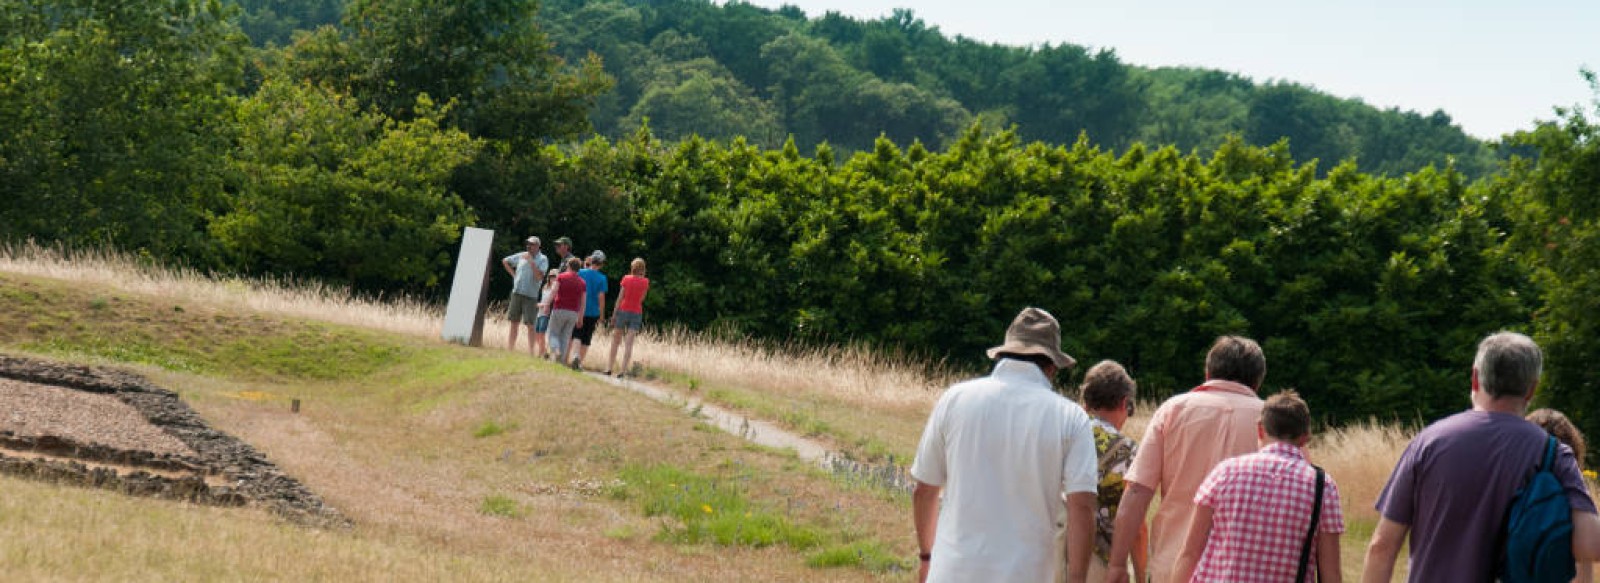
1004 450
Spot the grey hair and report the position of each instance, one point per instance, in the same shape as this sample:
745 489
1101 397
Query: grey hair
1508 365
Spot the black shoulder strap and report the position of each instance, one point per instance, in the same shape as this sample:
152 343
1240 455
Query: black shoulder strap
1316 512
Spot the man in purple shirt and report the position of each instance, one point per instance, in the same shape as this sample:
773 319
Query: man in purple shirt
1455 480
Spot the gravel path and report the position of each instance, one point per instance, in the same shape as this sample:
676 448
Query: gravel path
33 410
754 430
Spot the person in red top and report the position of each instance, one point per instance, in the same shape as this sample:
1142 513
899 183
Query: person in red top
1253 512
566 309
628 318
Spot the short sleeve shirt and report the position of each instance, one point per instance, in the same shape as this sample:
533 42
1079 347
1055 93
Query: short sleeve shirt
1454 482
634 289
1115 451
528 273
569 292
1005 448
1186 437
596 284
1261 510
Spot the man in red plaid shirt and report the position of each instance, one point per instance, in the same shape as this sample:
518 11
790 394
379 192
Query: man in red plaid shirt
1253 512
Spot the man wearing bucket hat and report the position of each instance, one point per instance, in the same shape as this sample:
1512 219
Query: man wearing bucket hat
1004 450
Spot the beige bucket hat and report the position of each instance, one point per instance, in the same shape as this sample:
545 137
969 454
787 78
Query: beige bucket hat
1035 331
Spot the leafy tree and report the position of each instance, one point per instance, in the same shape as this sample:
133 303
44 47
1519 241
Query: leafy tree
822 98
493 68
319 187
699 97
1558 194
275 21
114 117
1194 108
1061 90
490 58
735 32
616 34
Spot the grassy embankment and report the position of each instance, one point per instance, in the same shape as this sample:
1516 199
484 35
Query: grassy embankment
455 464
389 432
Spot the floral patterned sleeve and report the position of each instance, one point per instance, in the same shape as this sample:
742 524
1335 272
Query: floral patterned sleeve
1116 454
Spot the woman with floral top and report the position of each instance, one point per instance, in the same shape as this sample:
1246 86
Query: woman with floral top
1107 394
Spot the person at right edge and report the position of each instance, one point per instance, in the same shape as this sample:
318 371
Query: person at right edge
1456 479
1560 427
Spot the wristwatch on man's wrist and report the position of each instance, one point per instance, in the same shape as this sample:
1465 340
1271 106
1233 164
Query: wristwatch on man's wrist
925 557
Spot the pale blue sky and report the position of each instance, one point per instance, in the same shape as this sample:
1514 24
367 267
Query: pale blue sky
1494 66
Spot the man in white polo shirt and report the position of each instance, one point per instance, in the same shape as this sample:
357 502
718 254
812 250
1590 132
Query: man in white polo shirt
1004 450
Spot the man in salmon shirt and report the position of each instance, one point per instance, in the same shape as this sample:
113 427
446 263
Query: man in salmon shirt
1186 437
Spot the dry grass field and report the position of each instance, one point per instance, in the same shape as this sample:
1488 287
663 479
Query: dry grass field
465 464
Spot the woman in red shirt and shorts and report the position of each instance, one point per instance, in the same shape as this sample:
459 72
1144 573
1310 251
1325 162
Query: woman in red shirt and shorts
628 318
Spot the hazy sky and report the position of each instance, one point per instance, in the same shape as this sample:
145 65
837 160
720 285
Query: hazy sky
1493 65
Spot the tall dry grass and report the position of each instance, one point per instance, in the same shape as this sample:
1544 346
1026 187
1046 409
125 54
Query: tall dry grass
1358 456
111 270
852 375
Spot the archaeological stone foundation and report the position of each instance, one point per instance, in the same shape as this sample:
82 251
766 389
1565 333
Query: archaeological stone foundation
114 430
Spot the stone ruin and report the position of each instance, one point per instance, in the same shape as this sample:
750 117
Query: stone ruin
115 430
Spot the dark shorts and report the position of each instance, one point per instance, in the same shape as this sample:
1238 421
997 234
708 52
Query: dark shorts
586 333
542 324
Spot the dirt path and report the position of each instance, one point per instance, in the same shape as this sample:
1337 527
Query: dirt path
755 430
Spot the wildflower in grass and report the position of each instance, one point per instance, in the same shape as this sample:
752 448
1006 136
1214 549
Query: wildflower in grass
706 507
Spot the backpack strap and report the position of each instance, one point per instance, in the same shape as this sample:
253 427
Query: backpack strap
1316 513
1546 462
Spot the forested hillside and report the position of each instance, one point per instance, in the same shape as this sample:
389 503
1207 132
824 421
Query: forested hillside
693 67
356 154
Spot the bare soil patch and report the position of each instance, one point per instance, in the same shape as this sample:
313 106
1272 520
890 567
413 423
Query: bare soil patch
115 430
36 410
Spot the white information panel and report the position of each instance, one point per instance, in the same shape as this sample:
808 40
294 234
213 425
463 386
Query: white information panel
463 316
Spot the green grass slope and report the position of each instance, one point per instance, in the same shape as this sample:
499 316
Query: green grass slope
454 464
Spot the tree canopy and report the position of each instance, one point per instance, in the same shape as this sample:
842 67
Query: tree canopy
844 81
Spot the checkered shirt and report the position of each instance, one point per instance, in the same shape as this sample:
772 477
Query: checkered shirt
1261 508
